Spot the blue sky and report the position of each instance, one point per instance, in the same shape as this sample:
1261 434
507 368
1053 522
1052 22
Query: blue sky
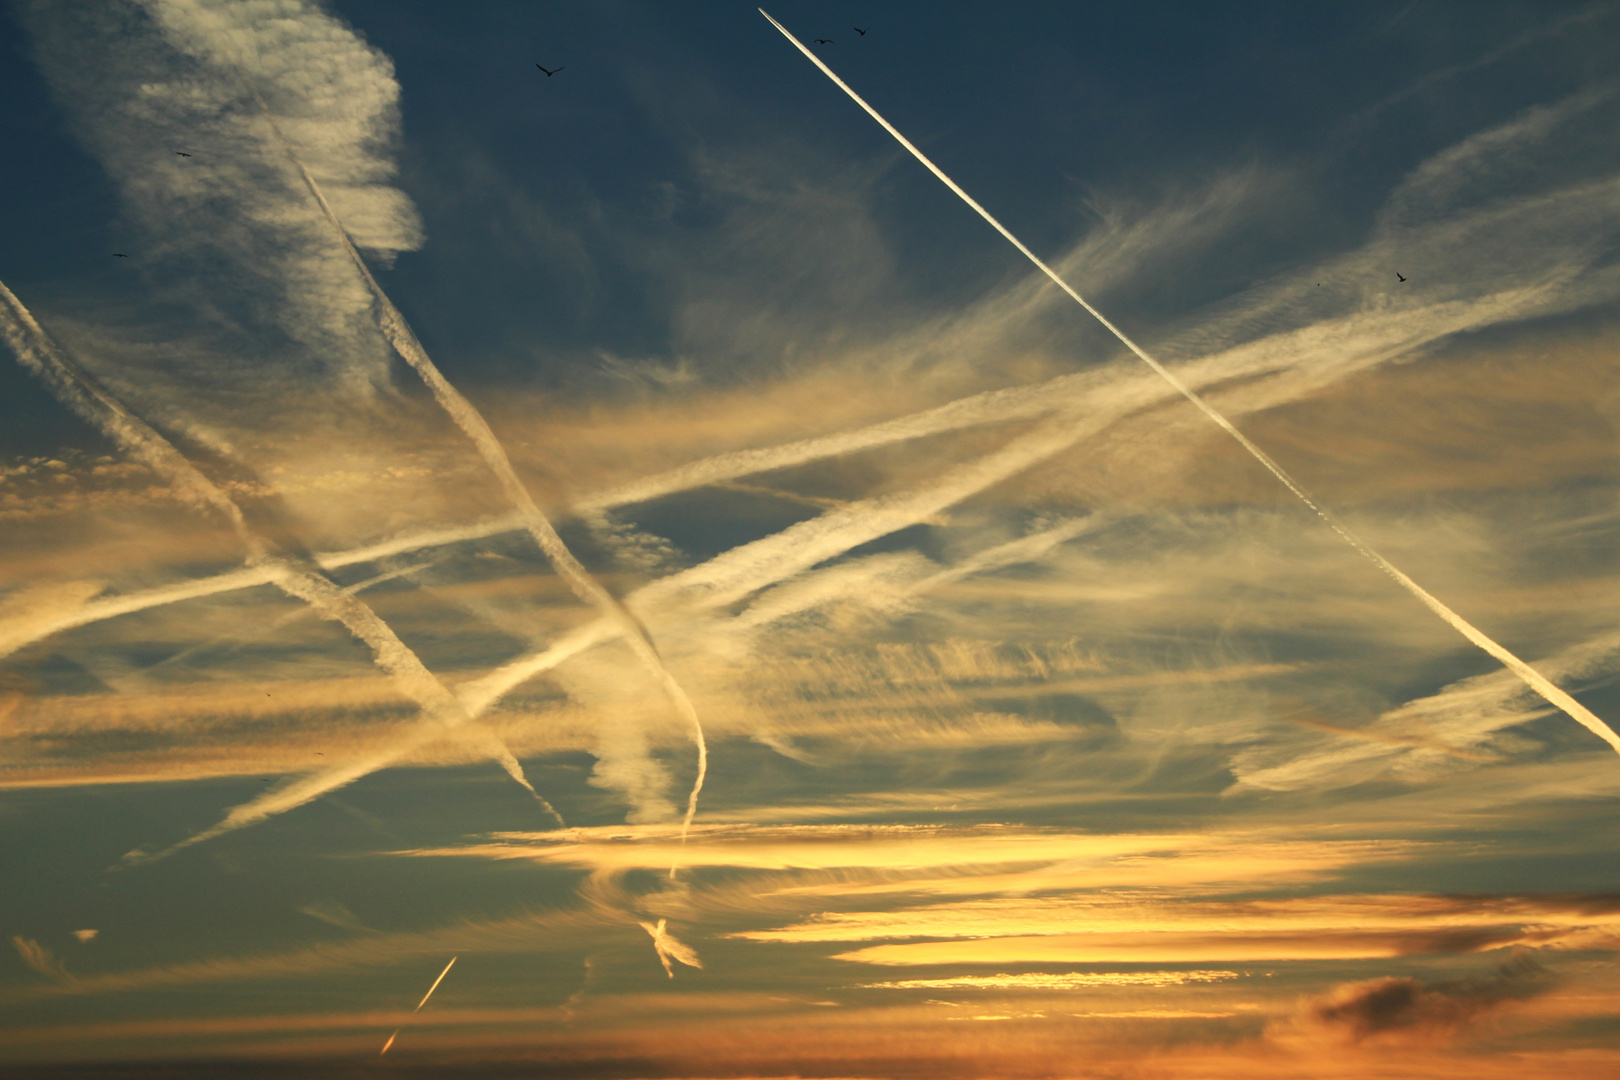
373 577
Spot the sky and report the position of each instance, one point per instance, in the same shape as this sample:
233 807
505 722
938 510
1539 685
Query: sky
630 555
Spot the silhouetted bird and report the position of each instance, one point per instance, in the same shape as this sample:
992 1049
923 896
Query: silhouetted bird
1398 274
858 30
825 41
182 153
119 255
550 73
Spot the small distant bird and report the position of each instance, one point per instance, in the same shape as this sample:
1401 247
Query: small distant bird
119 255
550 73
1398 274
825 41
858 30
182 153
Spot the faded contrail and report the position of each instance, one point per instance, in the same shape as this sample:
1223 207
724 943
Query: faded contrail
293 616
1532 678
296 577
419 1004
472 423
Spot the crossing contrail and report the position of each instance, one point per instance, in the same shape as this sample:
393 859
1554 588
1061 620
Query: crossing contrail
1291 360
297 577
1532 678
472 423
419 1004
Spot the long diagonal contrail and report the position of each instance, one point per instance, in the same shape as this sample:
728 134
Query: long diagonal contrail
1532 678
419 1004
472 423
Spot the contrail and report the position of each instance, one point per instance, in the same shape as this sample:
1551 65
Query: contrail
985 408
293 616
773 559
296 577
472 423
1532 678
669 947
419 1004
726 579
1371 345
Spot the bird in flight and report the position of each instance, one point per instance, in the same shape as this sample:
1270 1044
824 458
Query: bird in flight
825 41
550 73
181 153
119 255
858 30
1398 274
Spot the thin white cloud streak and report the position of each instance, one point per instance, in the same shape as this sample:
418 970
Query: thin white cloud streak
887 583
419 1004
294 616
1533 678
65 616
75 386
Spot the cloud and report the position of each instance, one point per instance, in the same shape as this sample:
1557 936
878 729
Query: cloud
143 80
334 914
1071 980
1405 1010
669 947
41 959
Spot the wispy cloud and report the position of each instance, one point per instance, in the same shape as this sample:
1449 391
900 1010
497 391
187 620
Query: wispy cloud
40 959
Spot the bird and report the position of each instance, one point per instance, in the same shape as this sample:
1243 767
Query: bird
181 153
550 73
858 30
825 41
119 255
1398 274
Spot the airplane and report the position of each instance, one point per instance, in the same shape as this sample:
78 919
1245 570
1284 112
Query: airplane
858 30
549 74
1398 274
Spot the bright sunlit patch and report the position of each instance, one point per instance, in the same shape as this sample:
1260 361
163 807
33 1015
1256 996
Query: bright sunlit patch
1074 980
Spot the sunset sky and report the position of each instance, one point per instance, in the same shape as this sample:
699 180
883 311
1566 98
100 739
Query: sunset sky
635 533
